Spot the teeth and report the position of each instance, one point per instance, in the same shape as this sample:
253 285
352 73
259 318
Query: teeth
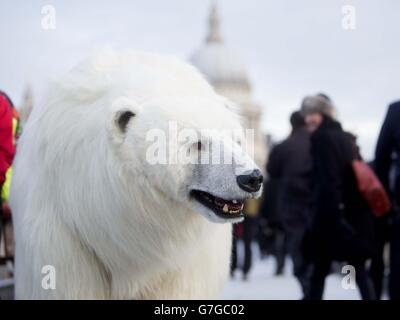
242 206
225 209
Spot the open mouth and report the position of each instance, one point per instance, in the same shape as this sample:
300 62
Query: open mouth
226 209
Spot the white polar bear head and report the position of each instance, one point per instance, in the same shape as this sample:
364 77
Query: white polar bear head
184 139
188 147
153 125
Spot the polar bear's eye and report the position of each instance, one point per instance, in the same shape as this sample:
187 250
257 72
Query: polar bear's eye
124 118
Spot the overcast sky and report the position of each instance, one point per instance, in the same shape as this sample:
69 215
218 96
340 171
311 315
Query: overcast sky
290 47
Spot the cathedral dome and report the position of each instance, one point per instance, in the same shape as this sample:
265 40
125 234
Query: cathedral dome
218 63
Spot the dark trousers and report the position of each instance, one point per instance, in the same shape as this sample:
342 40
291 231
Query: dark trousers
322 268
247 236
301 267
377 268
296 220
280 250
394 279
387 233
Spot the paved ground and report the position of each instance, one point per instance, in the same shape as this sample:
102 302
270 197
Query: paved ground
263 284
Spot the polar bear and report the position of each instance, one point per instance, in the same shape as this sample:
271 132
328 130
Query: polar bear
95 216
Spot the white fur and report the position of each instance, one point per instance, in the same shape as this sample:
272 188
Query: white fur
86 201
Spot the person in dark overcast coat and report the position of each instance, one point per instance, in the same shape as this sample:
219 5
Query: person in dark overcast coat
388 227
342 228
290 162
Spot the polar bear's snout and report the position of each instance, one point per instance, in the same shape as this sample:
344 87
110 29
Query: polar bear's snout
250 182
221 193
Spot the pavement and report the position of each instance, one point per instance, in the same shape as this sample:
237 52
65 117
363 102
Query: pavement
262 284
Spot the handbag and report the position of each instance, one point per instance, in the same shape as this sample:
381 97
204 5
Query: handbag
371 188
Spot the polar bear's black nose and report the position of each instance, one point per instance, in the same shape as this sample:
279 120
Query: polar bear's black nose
250 182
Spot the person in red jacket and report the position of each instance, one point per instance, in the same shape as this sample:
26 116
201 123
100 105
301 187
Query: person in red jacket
7 145
7 148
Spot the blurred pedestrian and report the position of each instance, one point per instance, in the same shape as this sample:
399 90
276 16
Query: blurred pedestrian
388 227
7 144
291 163
245 231
342 227
272 234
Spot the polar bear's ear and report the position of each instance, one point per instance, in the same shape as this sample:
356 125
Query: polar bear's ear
123 110
122 119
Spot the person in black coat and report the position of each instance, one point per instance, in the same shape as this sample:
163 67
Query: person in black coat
342 227
290 163
271 236
388 227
